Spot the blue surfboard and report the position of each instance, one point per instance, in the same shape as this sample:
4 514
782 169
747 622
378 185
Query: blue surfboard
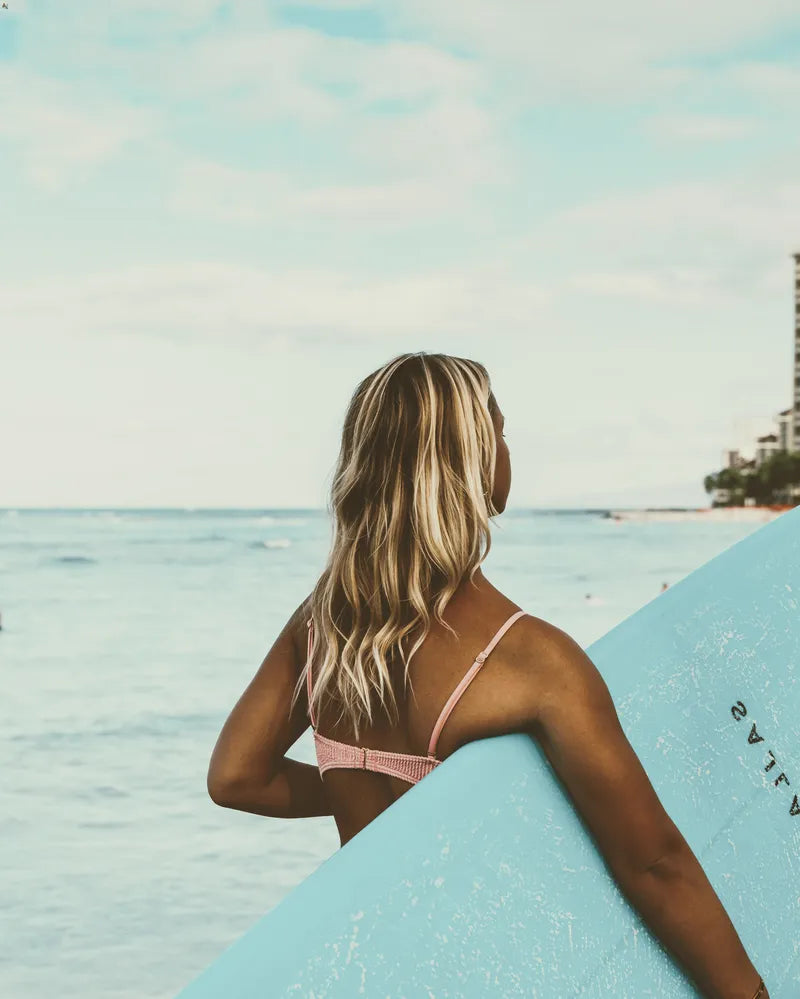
483 881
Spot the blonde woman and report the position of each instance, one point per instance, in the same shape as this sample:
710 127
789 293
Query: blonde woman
381 660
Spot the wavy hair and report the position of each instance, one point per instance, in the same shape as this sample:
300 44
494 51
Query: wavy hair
410 504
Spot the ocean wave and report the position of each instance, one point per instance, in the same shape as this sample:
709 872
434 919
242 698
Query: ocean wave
146 726
75 559
272 543
280 521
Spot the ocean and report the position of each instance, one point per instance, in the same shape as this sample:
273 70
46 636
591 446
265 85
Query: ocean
127 637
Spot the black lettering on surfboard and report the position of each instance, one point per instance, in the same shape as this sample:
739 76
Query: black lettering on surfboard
739 711
754 736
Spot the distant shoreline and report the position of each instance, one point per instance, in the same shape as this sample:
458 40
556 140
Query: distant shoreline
717 514
747 514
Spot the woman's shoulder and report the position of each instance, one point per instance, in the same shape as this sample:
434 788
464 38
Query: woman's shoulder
539 655
526 632
532 627
555 677
297 625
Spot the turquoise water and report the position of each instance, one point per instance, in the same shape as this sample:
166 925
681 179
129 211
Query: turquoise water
127 637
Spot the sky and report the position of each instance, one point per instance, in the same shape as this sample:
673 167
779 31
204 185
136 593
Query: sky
217 218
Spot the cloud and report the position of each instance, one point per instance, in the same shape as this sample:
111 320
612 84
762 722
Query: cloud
198 300
617 50
740 209
699 127
709 241
401 119
256 76
454 140
58 133
96 23
268 70
184 11
253 197
428 166
673 286
328 4
778 82
393 116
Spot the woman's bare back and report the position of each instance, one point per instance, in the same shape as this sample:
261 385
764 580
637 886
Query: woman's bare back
490 706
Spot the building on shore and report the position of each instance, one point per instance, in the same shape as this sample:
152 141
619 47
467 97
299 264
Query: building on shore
787 433
796 421
766 447
734 459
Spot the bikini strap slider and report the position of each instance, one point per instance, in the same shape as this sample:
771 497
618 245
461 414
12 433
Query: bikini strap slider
363 757
481 657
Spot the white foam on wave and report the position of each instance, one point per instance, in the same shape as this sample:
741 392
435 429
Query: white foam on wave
107 515
268 521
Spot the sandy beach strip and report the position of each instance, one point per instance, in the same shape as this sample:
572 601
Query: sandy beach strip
719 514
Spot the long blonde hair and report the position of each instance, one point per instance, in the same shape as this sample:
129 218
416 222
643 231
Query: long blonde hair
410 504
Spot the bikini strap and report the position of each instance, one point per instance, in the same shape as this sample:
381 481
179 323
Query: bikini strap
467 679
310 626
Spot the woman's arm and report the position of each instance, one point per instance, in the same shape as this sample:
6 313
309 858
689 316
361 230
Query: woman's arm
295 792
249 769
574 719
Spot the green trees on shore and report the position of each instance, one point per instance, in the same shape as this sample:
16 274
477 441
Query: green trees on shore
776 481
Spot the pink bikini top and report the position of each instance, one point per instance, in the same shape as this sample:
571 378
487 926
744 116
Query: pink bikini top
406 766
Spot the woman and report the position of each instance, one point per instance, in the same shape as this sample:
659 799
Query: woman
378 657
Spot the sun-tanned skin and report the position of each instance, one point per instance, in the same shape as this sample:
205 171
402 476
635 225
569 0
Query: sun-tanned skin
537 680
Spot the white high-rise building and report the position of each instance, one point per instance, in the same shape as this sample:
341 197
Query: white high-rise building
794 443
785 430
